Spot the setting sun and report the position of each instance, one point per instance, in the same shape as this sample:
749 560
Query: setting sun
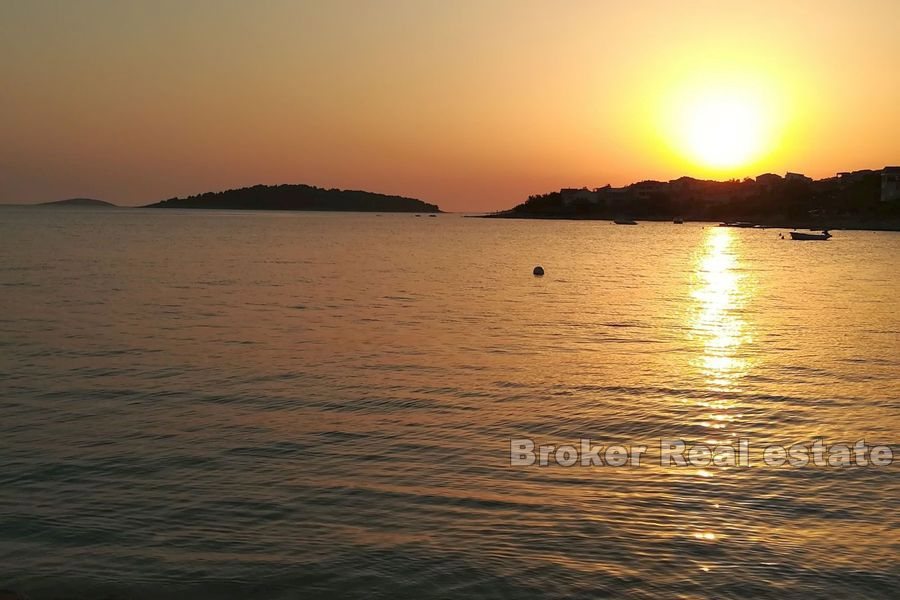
725 118
722 130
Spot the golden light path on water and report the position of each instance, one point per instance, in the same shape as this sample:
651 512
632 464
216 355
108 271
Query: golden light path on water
718 324
718 329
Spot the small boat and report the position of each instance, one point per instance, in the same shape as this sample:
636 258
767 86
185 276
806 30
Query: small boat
678 221
798 235
743 224
625 222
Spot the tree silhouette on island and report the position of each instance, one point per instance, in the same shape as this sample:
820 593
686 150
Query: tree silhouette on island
299 197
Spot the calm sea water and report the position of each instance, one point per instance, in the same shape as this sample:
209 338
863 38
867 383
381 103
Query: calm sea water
278 405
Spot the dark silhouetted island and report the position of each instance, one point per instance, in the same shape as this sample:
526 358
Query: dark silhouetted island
80 202
299 197
866 199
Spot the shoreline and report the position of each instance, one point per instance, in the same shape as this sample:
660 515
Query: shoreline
835 224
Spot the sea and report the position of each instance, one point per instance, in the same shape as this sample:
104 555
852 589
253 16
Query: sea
279 405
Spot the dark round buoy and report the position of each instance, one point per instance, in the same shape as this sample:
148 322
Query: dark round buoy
538 270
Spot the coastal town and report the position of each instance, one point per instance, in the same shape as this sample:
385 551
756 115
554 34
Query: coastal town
868 199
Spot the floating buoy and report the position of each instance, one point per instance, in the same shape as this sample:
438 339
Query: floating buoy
538 270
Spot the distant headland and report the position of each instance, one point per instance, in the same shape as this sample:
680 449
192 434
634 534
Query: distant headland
299 197
73 202
867 199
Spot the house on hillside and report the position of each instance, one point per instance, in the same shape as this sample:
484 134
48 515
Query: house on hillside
618 198
768 180
848 178
644 190
797 177
577 196
890 184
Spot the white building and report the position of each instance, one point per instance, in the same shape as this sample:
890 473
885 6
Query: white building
890 184
580 195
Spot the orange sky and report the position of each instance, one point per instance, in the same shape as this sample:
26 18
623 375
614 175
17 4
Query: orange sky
473 105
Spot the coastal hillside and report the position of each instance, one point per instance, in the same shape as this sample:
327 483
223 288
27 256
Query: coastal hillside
859 199
80 202
299 197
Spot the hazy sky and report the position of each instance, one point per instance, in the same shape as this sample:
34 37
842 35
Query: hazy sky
473 105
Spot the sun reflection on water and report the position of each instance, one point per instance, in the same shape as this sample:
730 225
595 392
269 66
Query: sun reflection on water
718 327
717 336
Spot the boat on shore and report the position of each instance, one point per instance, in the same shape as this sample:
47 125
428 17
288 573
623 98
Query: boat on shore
678 221
625 222
799 235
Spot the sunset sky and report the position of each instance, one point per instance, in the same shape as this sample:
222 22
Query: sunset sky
472 105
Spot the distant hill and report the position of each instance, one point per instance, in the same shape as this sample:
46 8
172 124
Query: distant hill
299 197
79 202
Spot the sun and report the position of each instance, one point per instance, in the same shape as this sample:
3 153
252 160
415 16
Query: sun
721 124
722 130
